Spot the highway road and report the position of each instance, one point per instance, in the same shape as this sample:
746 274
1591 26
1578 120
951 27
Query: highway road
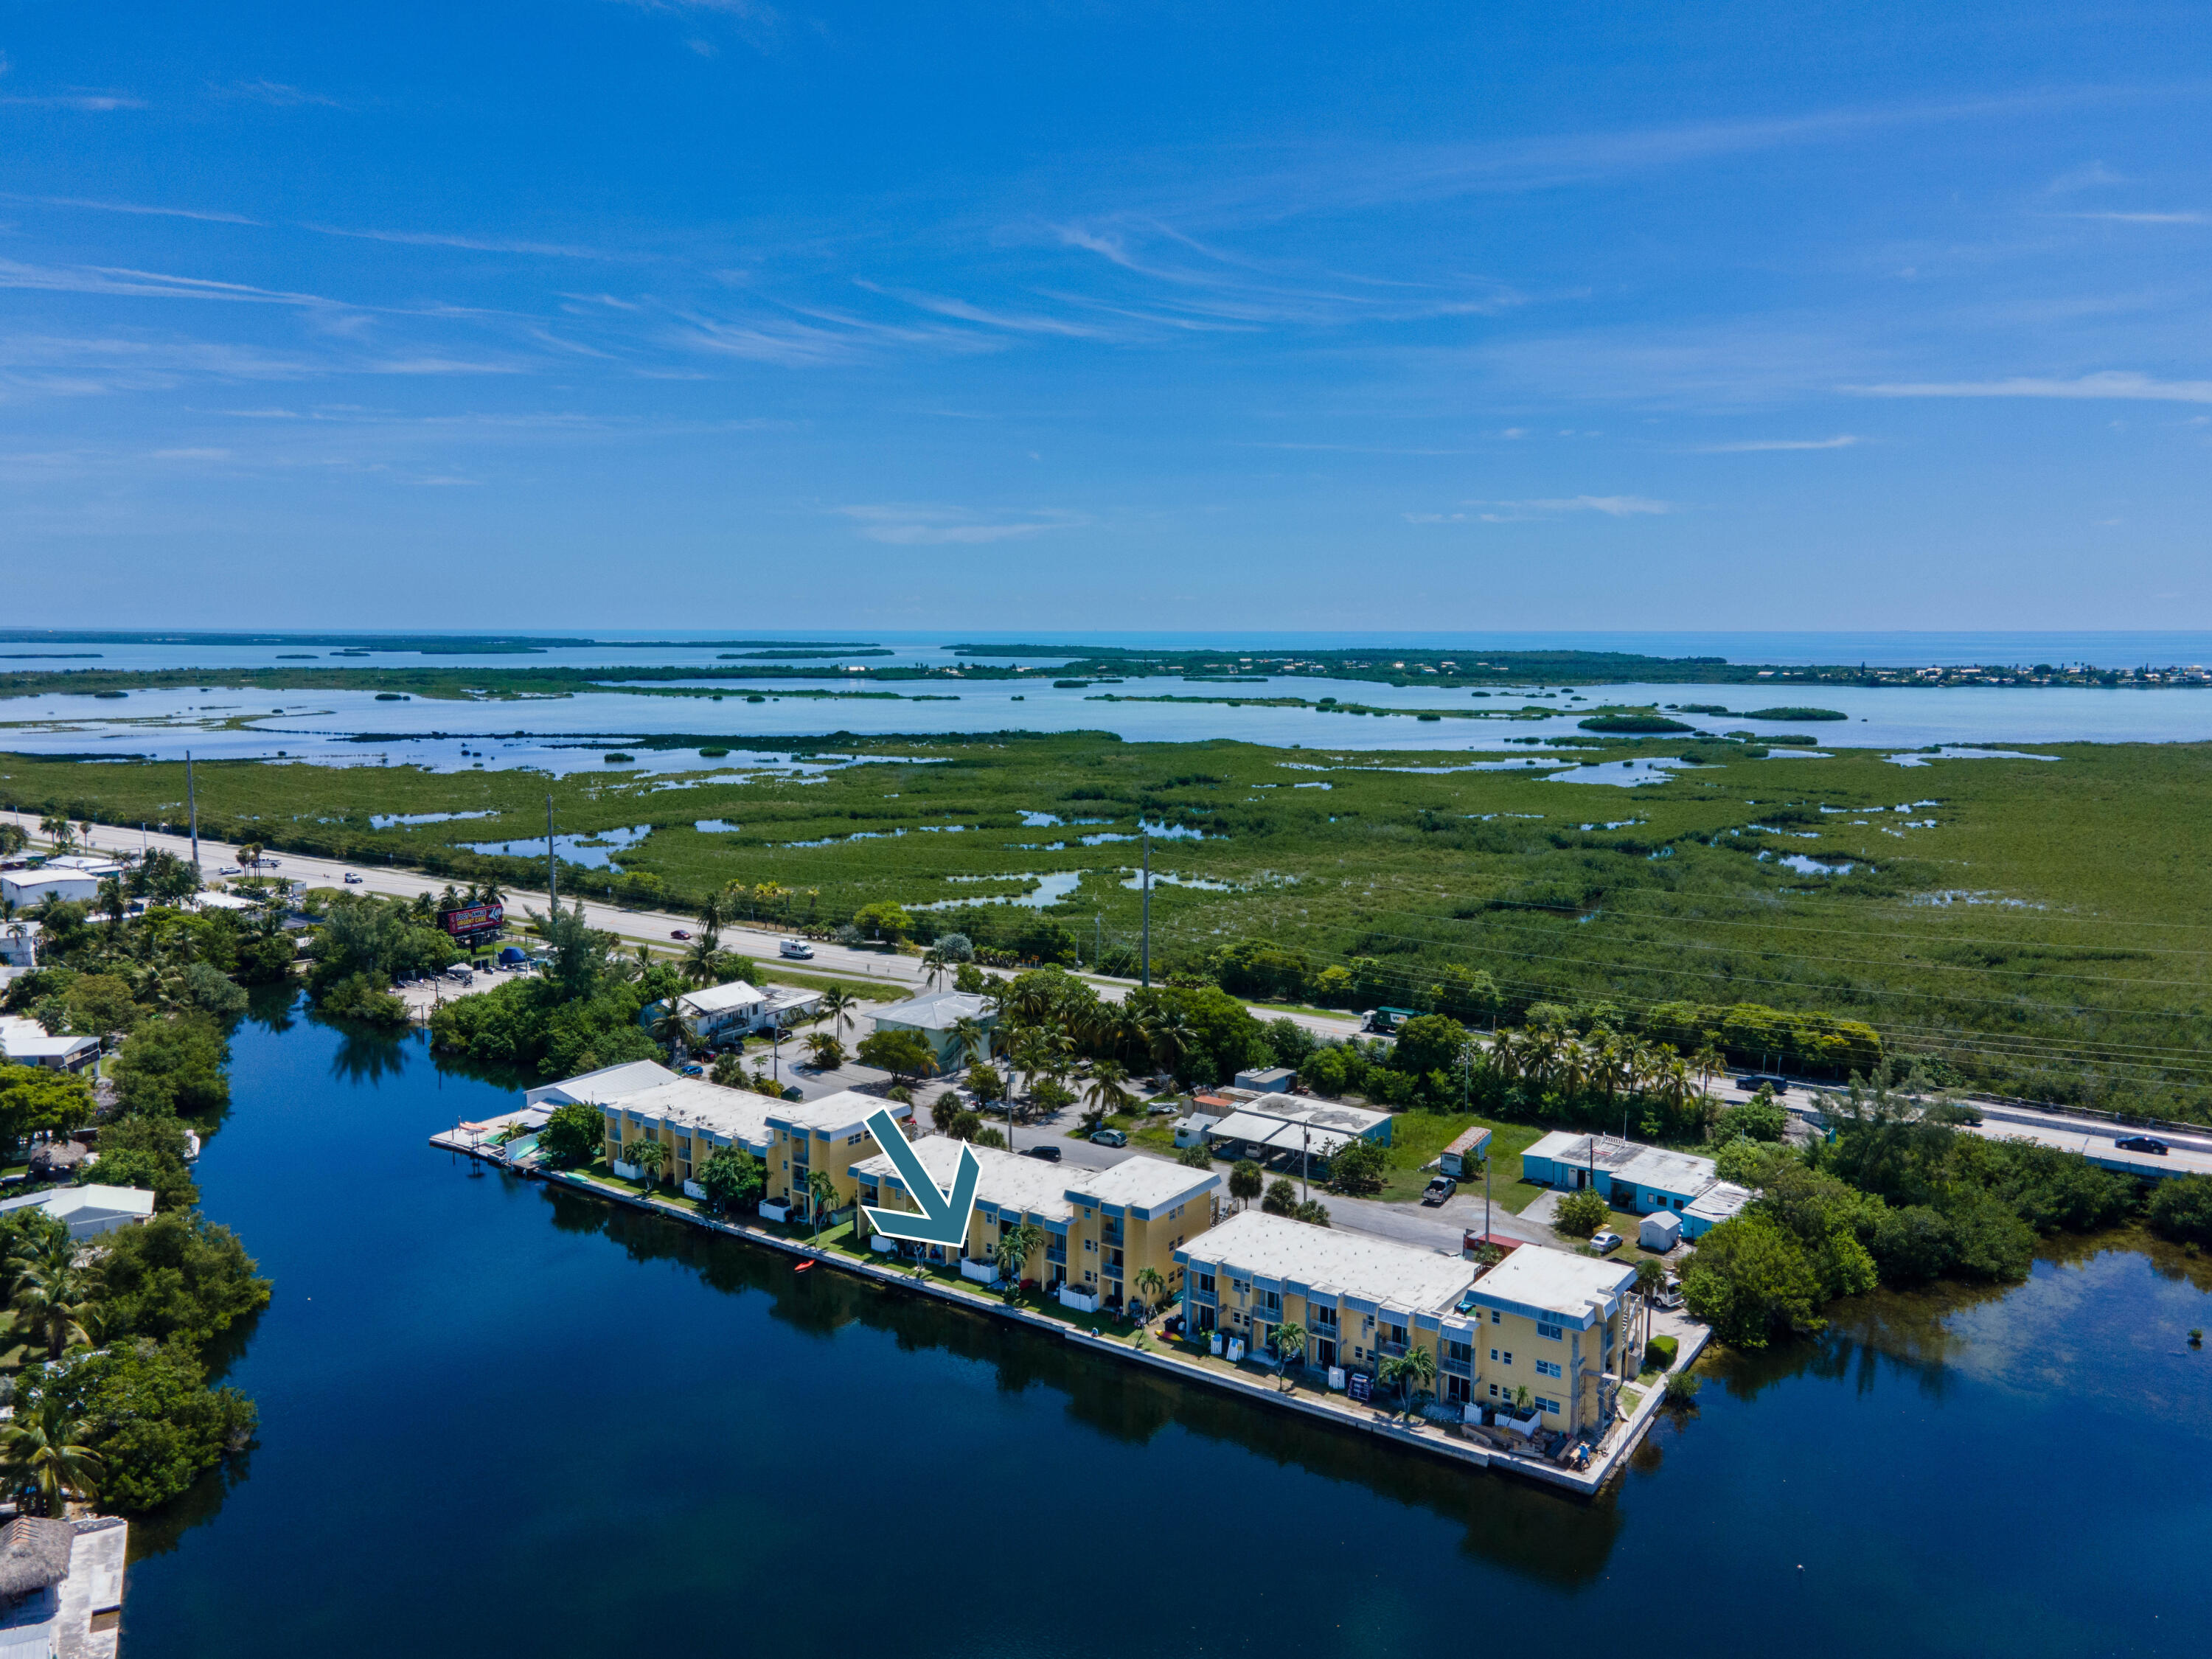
901 975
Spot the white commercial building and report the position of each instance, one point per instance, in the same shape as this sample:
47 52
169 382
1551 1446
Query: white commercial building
90 1209
26 889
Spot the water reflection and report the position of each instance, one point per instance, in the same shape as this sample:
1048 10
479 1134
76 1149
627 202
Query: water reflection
1531 1531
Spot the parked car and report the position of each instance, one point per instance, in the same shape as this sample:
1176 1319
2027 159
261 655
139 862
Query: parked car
1050 1154
351 879
2144 1144
1440 1190
1110 1138
798 949
1604 1241
678 933
695 1071
230 869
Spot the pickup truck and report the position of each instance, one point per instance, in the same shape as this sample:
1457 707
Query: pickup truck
1439 1190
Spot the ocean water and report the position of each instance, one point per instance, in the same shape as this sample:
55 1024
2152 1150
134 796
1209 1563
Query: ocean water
501 1419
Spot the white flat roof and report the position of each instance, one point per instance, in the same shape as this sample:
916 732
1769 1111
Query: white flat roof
717 998
89 1200
1676 1172
692 1105
839 1114
938 1012
1395 1276
607 1085
1536 1279
1004 1181
1601 1151
1718 1202
1142 1186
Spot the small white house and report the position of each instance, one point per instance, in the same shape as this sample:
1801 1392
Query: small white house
19 943
25 1042
31 888
1660 1230
91 1210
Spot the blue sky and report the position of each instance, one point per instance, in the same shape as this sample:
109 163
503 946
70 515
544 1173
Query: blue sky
735 315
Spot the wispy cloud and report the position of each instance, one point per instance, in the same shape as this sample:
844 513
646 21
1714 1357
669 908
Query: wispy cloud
120 280
1754 446
2090 175
209 215
473 244
276 93
2184 216
962 311
924 525
89 102
1613 507
2117 384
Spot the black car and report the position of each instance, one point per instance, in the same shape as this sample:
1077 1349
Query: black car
2142 1143
1050 1154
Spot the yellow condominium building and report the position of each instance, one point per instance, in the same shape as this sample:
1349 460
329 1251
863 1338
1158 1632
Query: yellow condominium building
1096 1236
829 1135
1542 1321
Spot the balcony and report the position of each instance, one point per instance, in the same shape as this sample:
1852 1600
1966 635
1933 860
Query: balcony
1391 1350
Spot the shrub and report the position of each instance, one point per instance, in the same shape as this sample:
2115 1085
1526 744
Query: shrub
2181 1209
572 1134
1749 1279
1358 1169
1580 1214
1659 1353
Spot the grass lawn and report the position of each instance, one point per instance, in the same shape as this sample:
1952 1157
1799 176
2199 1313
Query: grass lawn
1416 1138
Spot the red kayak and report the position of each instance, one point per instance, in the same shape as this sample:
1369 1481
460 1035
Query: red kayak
802 1267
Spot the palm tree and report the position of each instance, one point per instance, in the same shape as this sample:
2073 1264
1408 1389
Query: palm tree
1148 1285
1167 1035
1015 1247
55 829
114 902
1412 1372
822 1198
668 1027
44 1448
1650 1276
933 966
702 962
54 1297
836 1006
1704 1063
1107 1094
650 1156
1291 1344
824 1052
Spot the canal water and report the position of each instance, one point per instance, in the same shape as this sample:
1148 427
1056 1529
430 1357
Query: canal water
498 1418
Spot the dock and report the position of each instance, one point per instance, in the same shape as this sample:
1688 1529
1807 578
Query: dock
1256 1383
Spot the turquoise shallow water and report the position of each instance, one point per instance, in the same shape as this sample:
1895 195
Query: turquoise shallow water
502 1419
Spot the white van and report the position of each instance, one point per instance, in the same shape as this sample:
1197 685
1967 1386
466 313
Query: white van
797 948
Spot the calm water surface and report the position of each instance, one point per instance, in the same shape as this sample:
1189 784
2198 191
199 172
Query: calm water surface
500 1419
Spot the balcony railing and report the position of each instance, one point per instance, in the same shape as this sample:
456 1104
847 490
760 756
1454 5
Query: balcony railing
1391 1350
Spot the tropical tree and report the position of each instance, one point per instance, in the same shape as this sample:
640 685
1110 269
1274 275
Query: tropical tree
650 1157
44 1450
1291 1344
668 1025
1150 1285
702 962
1107 1093
824 1051
836 1006
1413 1373
1245 1181
54 1296
820 1199
731 1177
1650 1276
1167 1037
1017 1244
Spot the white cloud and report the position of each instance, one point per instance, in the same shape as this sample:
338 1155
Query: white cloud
2186 216
191 454
278 94
2105 383
1613 506
473 244
1754 446
87 102
2089 176
923 524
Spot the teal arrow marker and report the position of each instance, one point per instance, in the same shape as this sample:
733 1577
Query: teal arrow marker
944 1220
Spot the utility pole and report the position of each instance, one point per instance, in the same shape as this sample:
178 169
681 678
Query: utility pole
1305 1161
1148 910
552 895
1098 940
192 798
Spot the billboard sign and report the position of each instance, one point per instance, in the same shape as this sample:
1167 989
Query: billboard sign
472 922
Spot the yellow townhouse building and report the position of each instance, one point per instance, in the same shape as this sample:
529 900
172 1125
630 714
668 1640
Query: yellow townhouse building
691 1117
1097 1236
1542 1320
829 1135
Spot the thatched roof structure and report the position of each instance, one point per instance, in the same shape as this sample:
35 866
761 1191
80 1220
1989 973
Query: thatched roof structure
58 1155
34 1554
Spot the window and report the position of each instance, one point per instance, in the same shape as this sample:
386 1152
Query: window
1496 1317
1544 1405
1547 1368
1493 1391
1556 1333
1205 1284
1509 1356
1459 1352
